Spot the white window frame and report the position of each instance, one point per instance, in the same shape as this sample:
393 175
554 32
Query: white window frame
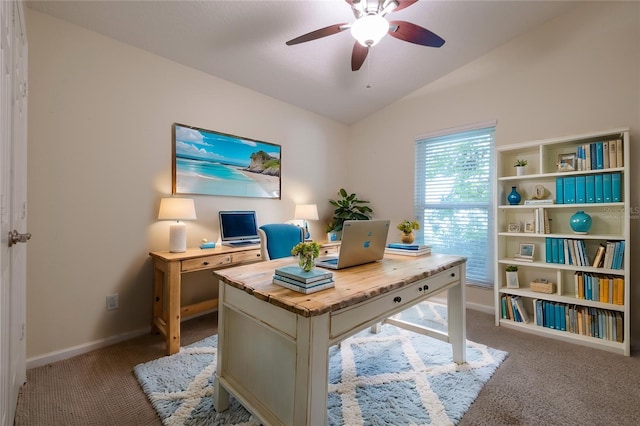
420 202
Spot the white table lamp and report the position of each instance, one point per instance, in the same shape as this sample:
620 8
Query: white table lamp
306 212
177 209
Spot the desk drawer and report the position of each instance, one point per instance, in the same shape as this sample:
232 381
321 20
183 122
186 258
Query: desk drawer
246 256
329 250
209 262
385 305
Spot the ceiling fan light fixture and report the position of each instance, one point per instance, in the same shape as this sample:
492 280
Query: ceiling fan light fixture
369 29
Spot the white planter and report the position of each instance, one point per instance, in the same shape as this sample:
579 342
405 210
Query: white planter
519 170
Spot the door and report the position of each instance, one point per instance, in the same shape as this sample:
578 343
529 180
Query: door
13 205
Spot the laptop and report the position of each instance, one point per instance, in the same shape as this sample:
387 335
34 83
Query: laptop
363 241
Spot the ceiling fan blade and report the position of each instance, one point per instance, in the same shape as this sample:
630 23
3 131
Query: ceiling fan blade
322 32
414 34
403 4
358 56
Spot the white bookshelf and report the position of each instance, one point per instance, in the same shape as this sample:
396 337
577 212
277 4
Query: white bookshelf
610 222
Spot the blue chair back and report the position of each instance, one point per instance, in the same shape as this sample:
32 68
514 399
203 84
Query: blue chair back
277 239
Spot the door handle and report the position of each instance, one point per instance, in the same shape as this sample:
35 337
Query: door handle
15 237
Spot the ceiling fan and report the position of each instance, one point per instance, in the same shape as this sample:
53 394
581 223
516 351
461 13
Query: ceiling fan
371 26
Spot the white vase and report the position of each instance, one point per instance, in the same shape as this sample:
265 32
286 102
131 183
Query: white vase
519 170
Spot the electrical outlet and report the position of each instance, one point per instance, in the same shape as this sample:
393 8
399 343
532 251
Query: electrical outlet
112 302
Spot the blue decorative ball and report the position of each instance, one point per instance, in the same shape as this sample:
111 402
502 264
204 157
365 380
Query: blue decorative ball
580 222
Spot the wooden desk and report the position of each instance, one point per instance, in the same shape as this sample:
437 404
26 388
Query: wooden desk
273 342
167 273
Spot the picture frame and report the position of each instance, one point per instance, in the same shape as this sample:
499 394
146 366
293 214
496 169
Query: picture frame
512 279
514 227
206 162
567 162
529 226
526 252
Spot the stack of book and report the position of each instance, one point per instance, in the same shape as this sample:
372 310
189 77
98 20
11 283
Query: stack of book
407 249
294 278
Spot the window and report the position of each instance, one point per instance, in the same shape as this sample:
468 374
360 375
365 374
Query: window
453 196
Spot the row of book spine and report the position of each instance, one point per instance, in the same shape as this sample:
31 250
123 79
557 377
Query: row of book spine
569 251
599 287
584 320
600 155
588 189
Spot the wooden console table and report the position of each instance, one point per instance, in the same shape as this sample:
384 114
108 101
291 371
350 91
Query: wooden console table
167 276
273 342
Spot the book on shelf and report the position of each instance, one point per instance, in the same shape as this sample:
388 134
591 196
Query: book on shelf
404 252
534 202
299 283
302 288
296 273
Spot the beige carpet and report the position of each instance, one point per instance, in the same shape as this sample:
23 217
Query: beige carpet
542 382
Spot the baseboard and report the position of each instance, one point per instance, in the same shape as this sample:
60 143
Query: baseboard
60 355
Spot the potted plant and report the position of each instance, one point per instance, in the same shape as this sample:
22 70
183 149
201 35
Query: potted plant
307 253
332 234
520 163
348 207
407 227
512 276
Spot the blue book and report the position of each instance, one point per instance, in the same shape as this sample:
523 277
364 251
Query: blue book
539 312
599 189
587 287
599 156
616 195
581 189
554 250
606 187
590 187
569 190
296 273
407 246
559 191
551 322
619 255
560 242
548 250
592 152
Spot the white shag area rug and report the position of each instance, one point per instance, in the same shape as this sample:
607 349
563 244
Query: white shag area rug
395 377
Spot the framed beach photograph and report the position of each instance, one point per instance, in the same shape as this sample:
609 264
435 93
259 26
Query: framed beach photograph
206 162
526 252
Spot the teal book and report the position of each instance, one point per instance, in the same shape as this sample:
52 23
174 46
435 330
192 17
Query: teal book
606 187
599 189
408 246
559 191
616 195
581 189
296 273
555 258
300 284
304 289
569 190
560 242
590 189
548 250
599 156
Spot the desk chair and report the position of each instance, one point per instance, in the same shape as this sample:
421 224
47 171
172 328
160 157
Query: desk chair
277 239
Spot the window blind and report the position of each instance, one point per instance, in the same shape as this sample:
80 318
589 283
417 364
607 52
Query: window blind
453 197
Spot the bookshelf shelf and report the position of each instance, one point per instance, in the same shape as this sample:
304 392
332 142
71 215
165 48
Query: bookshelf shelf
587 172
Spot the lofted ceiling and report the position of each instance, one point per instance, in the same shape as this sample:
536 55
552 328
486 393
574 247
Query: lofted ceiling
243 42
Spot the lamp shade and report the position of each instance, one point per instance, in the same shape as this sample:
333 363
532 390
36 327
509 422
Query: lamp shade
177 209
370 29
306 212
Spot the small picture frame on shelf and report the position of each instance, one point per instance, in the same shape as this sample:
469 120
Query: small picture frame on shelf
514 227
526 252
567 162
529 226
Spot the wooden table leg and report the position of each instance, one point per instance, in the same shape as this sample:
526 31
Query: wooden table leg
173 283
456 313
158 295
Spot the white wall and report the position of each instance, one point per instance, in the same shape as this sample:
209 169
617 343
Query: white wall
578 73
99 153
